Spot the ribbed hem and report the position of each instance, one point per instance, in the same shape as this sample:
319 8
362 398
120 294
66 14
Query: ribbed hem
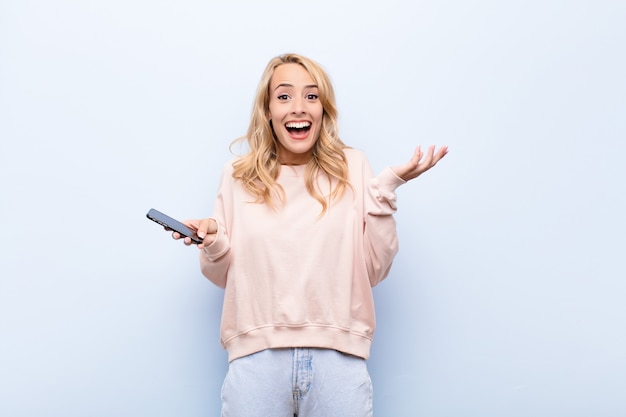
314 336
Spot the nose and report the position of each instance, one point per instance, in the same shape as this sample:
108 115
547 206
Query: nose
298 105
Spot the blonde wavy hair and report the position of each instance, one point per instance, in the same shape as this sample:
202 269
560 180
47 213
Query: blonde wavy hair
259 168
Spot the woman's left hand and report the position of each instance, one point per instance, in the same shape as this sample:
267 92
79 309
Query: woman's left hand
416 166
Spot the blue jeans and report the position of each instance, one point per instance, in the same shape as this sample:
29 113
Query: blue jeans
302 382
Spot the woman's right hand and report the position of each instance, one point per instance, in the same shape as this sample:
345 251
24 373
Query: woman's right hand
206 229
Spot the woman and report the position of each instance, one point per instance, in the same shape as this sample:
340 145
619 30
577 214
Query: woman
300 233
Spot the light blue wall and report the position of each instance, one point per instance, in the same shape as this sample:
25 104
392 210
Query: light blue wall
507 297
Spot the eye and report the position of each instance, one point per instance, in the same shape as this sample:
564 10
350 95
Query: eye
312 96
283 97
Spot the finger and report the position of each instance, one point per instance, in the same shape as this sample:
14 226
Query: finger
208 240
203 229
206 227
441 153
192 224
417 156
176 235
428 161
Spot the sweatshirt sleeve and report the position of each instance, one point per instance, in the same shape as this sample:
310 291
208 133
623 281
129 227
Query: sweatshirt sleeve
380 236
215 258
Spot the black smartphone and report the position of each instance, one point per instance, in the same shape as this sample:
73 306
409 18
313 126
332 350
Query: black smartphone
173 224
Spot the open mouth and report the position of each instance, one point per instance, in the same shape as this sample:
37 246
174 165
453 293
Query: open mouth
298 129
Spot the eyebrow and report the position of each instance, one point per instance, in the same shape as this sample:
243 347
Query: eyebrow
290 85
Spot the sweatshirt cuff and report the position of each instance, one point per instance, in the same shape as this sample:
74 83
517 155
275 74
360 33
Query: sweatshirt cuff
219 247
388 180
384 187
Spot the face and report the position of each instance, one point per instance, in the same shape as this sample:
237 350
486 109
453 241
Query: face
296 113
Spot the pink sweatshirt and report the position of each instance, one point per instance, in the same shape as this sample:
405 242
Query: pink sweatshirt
295 279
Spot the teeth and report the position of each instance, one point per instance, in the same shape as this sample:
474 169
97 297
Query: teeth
298 125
